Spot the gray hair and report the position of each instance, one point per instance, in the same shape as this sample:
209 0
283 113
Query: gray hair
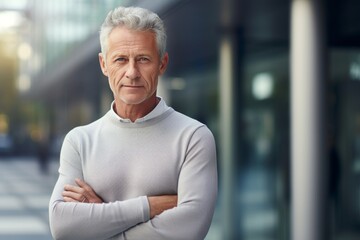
134 18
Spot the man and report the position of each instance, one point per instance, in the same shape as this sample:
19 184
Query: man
143 170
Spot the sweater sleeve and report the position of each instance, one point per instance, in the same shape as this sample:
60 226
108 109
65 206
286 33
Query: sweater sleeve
88 221
197 193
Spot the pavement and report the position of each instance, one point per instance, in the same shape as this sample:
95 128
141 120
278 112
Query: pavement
24 198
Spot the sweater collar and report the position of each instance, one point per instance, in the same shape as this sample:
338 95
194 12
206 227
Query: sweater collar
160 108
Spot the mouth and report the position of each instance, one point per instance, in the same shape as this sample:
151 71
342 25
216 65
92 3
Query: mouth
132 88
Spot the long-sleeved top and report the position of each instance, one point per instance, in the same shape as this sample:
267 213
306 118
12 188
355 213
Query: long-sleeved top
165 152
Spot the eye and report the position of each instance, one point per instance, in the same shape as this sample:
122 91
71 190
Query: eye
143 59
120 59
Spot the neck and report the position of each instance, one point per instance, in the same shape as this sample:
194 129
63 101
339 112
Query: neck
135 111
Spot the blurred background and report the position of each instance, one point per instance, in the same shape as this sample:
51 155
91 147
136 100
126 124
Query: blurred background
231 68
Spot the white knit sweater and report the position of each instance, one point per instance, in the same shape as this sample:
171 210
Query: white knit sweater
166 152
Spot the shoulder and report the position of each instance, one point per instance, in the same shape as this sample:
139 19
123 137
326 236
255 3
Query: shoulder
182 121
80 132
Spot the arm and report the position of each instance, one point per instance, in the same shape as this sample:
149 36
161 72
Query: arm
83 193
158 204
73 220
197 192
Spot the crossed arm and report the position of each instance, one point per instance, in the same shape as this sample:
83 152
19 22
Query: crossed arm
83 193
80 213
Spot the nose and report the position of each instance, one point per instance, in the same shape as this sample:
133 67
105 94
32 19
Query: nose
132 71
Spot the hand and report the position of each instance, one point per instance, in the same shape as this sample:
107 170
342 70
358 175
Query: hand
158 204
82 193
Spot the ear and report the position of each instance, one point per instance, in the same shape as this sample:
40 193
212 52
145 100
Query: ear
102 62
163 63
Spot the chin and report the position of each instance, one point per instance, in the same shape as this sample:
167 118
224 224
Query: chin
132 100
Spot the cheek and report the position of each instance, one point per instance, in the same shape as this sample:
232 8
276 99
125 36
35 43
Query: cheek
151 82
112 71
115 74
114 78
111 84
153 78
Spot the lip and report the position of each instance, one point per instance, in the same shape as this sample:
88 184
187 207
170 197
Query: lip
131 86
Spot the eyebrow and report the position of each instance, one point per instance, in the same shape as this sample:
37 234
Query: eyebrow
117 55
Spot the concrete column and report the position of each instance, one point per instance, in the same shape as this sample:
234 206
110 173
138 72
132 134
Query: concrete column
227 142
307 139
230 94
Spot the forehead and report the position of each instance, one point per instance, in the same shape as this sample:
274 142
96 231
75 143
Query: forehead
123 39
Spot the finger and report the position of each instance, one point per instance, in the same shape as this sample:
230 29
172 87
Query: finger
88 192
73 195
68 199
75 189
82 184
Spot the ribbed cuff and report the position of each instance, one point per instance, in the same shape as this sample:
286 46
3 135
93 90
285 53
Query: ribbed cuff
145 208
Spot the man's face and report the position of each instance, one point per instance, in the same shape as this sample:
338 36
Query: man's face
132 65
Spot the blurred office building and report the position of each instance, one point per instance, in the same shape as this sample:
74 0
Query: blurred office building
277 81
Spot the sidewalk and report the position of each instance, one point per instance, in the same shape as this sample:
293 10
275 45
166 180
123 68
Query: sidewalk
24 199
